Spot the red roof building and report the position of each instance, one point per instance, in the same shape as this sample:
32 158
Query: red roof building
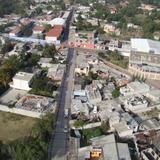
55 33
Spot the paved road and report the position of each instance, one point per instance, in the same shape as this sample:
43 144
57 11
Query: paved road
59 141
59 144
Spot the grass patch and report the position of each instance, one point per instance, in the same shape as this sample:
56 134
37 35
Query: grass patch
91 133
122 63
81 123
116 58
41 93
13 126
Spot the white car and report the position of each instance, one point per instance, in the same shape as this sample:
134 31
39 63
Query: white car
65 130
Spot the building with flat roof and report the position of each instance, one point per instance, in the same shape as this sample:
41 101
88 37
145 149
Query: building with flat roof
134 88
38 29
106 148
153 95
150 154
83 39
56 72
45 62
78 107
82 66
150 124
93 94
136 103
22 80
109 28
144 58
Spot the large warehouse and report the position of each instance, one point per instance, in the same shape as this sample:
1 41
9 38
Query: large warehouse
145 58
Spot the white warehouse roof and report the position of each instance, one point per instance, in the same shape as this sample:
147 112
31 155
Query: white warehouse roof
145 45
57 21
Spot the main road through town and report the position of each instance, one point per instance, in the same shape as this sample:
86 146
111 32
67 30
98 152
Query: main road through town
59 143
58 147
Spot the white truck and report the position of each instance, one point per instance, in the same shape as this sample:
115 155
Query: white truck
66 113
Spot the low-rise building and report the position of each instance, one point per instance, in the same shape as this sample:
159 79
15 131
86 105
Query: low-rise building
35 106
153 95
123 130
134 88
56 72
82 67
93 21
84 39
78 107
55 33
109 28
144 58
105 147
92 59
26 22
107 91
150 124
149 154
93 94
38 29
45 62
22 80
123 123
136 103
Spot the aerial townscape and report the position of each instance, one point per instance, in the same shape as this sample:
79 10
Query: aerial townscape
79 79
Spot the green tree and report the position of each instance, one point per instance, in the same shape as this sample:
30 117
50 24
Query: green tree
105 126
7 47
13 63
5 76
47 27
49 51
116 92
79 123
26 31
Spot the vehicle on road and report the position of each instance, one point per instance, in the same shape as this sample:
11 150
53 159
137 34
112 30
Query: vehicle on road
66 113
65 130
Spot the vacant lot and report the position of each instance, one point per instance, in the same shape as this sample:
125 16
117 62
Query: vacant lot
13 126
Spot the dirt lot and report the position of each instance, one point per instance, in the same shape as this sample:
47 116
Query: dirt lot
14 126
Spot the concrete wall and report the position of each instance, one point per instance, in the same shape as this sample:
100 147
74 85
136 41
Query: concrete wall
91 125
149 75
20 111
